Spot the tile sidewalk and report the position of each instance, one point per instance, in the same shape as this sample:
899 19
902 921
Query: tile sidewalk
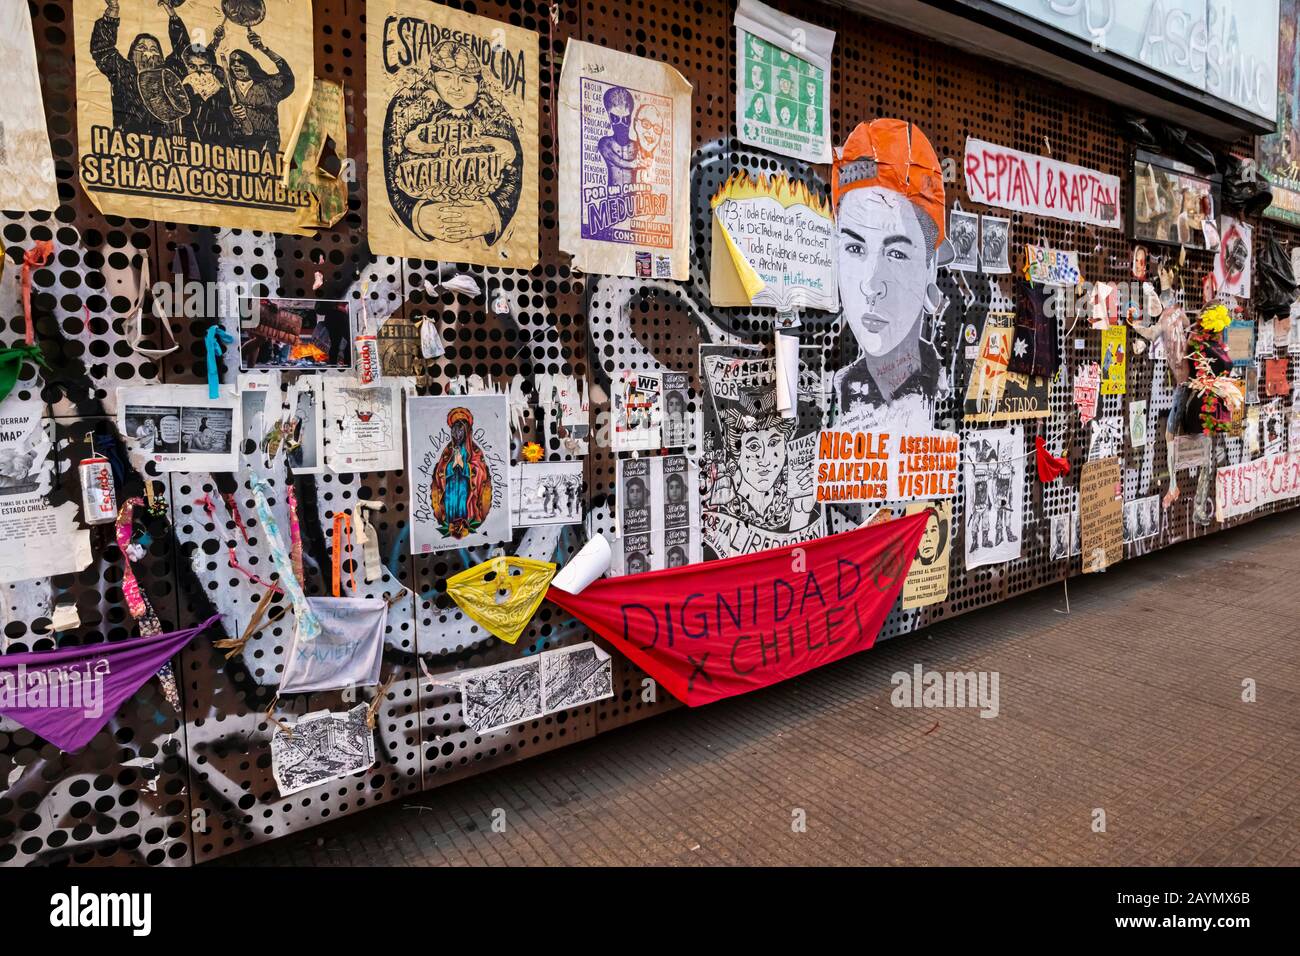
1130 704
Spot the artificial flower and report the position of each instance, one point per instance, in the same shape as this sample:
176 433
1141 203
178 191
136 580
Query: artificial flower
1216 318
532 452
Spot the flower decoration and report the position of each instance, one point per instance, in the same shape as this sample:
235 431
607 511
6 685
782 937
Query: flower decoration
532 452
1216 318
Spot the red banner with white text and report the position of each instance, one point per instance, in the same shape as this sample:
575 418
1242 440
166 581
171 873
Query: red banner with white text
714 630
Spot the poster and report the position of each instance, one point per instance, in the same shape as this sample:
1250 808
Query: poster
260 401
1052 266
27 180
756 466
39 540
363 425
1087 390
1232 263
1137 424
658 513
1239 337
638 411
1142 518
1064 540
178 428
783 90
451 131
1191 452
1273 428
1278 154
773 245
1009 179
995 245
1114 355
875 467
317 168
888 187
1106 438
963 234
303 335
994 495
305 448
530 688
1172 202
678 425
459 459
626 132
995 394
189 112
1240 489
547 493
927 579
1101 514
321 747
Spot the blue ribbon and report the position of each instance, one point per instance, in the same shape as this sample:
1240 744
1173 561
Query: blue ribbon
216 338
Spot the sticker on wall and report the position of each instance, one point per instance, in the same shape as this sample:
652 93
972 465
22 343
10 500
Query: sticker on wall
451 131
995 245
1009 179
547 493
1114 359
927 579
993 490
179 428
459 466
39 539
773 245
625 150
27 181
783 89
1101 514
189 113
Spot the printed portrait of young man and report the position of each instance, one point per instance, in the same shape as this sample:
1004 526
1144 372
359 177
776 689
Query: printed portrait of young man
889 199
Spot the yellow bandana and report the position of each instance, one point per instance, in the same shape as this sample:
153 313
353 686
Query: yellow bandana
502 594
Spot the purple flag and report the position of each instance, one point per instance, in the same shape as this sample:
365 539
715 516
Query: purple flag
67 695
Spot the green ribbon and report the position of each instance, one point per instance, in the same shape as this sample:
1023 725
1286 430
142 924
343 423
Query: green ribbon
11 364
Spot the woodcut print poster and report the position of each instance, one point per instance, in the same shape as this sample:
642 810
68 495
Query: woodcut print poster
187 111
452 135
625 154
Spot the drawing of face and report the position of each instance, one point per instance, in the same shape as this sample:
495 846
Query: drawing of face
885 265
762 458
649 126
928 550
785 116
239 66
787 85
811 89
759 107
756 77
458 90
146 53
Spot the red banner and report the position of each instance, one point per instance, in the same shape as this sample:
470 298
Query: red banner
714 630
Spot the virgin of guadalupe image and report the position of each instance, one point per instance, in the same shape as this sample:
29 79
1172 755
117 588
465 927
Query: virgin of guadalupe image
452 159
460 492
754 485
888 190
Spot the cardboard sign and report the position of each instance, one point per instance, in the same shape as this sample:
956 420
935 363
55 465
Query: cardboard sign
1101 514
1010 179
875 466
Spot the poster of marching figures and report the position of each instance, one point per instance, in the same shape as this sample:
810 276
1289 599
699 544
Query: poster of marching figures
452 135
625 150
994 496
458 459
188 110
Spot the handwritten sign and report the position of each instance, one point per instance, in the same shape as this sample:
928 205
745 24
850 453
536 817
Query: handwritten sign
1052 266
1087 386
1239 489
1101 514
875 466
1010 179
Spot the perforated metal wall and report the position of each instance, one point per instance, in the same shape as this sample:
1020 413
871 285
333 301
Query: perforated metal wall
158 788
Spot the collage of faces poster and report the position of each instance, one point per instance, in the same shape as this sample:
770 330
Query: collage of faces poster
625 131
756 466
659 513
459 468
783 83
994 495
189 112
452 135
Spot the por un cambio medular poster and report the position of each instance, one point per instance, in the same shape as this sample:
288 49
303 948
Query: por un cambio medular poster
186 112
452 135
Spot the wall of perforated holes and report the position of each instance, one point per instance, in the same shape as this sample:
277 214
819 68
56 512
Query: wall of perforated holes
159 788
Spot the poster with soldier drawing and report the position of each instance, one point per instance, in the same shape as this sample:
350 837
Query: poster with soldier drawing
452 135
187 110
994 495
625 152
757 488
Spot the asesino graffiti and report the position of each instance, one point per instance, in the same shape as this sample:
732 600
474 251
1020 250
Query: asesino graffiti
1240 489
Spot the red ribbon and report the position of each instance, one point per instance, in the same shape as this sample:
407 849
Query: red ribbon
34 258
